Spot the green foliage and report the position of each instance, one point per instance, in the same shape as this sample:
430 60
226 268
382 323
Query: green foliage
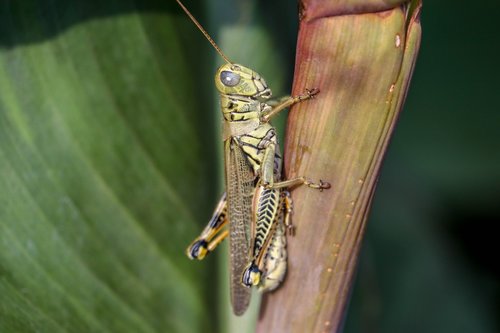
103 173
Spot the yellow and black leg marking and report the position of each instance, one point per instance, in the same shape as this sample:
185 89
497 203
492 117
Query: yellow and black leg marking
212 235
274 262
268 269
267 207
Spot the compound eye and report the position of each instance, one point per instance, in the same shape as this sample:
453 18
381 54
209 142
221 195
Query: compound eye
229 79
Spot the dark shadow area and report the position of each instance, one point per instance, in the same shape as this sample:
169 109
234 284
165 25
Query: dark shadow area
468 228
26 22
474 238
281 20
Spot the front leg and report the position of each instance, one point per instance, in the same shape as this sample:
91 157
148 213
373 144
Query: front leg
288 102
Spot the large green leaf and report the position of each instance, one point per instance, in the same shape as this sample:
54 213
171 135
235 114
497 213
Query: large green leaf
108 160
104 176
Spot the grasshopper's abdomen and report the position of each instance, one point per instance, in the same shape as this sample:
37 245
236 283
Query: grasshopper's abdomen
274 261
268 265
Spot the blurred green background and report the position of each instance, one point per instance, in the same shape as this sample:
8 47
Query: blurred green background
110 164
429 259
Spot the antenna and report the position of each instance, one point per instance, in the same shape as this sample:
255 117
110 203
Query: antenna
204 32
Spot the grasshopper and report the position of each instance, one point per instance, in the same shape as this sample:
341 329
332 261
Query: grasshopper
255 210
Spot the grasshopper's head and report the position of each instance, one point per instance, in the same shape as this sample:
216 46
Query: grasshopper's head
233 79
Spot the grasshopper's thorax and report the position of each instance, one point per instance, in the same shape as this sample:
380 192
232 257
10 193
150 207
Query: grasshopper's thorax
242 93
238 109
